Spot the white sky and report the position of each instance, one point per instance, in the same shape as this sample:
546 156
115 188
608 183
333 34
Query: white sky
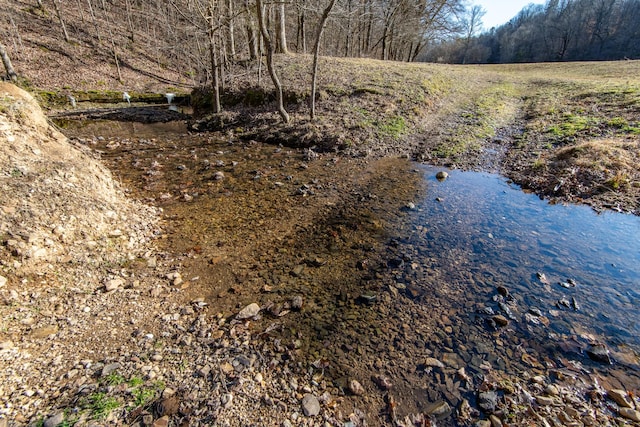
501 11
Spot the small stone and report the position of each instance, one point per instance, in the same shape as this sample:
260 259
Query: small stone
111 367
433 363
620 397
55 420
599 353
226 400
161 422
383 382
44 332
630 414
439 409
310 405
113 284
503 291
495 421
442 175
3 281
551 390
6 345
500 320
248 312
168 406
297 302
356 388
544 400
297 270
488 400
218 176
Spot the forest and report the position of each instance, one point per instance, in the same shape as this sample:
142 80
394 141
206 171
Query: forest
560 30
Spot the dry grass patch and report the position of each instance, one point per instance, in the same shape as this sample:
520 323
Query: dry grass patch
616 161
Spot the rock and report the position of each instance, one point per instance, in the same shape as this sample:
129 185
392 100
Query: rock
113 284
3 281
599 353
439 409
544 400
488 400
161 422
297 303
356 388
503 291
5 345
111 367
495 421
218 176
630 414
383 382
442 175
552 390
310 405
297 270
248 312
55 420
226 400
433 363
500 320
44 332
168 406
483 423
620 397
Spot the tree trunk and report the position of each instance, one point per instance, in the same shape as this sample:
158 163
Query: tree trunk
64 28
215 74
95 22
270 48
252 38
316 53
231 39
282 31
11 73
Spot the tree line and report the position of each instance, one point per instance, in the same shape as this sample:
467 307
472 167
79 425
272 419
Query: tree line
560 30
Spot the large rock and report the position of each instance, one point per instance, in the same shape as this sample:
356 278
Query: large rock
310 405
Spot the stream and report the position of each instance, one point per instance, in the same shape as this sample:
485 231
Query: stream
393 265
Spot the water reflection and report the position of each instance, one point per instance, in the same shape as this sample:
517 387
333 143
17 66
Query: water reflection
479 223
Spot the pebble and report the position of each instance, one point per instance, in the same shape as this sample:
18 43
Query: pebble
248 312
620 397
226 400
439 409
495 421
442 175
433 362
500 320
113 284
111 367
218 176
3 281
161 422
55 420
297 302
599 353
630 414
310 405
488 400
356 388
5 345
544 400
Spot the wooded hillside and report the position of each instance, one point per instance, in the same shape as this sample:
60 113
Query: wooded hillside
561 30
112 43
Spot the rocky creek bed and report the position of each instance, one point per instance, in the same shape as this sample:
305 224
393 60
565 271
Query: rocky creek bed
275 290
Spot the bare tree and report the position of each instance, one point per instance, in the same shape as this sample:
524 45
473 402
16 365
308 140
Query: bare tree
11 73
316 52
64 28
270 48
281 40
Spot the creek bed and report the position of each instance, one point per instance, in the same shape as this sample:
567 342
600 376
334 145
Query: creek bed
395 268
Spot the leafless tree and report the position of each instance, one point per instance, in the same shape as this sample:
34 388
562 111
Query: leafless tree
270 48
316 53
11 73
59 13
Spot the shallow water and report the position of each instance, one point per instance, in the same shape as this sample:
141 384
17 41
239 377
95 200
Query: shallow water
506 237
393 265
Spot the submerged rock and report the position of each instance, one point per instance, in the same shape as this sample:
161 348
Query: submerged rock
442 175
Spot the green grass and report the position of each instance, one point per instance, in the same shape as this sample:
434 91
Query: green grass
101 405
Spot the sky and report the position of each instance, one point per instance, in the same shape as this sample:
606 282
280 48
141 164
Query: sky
501 11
